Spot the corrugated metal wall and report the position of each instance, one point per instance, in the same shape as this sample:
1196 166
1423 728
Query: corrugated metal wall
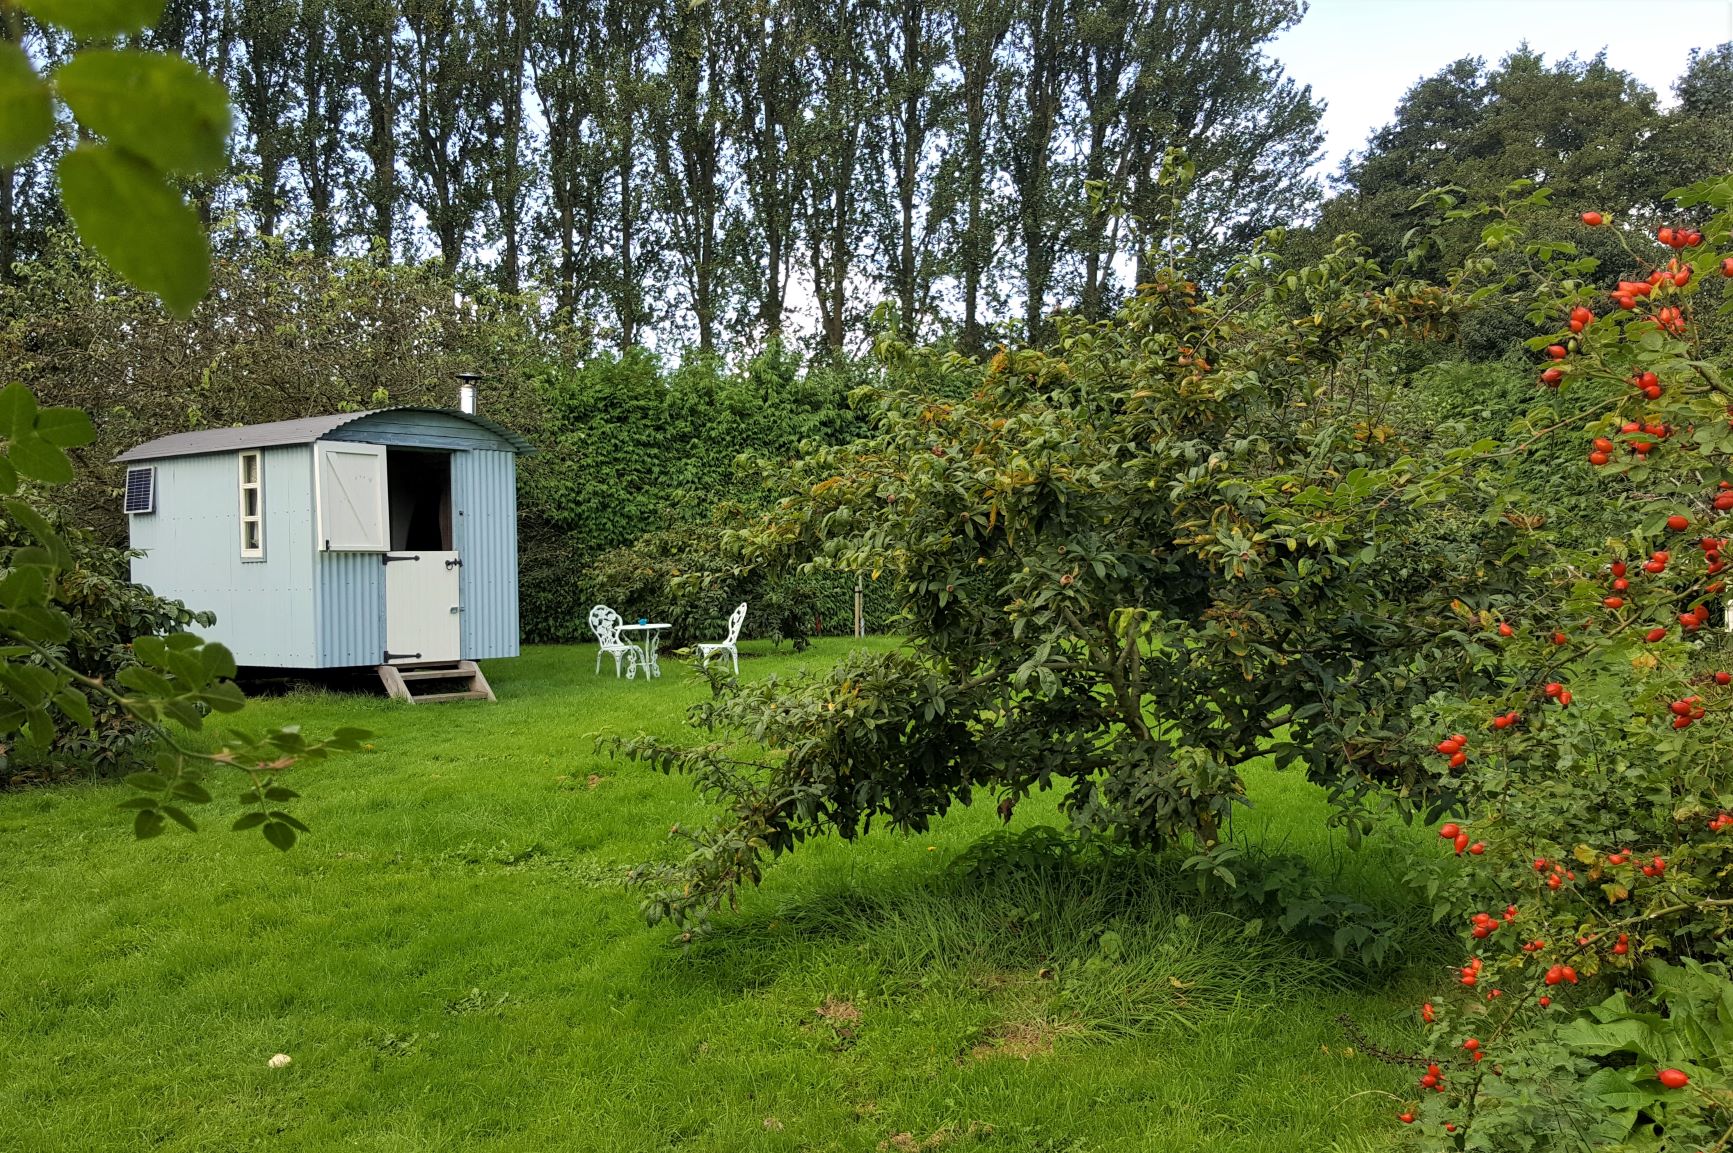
484 528
351 609
192 545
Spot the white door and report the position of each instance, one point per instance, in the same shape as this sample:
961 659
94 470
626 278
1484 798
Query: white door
423 620
349 489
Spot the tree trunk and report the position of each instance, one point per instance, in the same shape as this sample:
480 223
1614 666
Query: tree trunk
512 21
1032 156
980 28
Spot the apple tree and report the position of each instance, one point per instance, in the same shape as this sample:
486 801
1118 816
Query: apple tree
1185 537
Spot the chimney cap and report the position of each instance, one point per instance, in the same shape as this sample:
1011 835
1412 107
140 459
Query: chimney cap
470 377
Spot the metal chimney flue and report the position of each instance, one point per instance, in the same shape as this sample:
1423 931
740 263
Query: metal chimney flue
466 391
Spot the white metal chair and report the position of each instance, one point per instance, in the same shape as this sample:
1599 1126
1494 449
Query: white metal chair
705 652
605 623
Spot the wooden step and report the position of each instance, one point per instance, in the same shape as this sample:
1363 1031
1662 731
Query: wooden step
463 671
400 681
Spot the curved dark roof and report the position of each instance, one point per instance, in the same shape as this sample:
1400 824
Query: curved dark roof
302 431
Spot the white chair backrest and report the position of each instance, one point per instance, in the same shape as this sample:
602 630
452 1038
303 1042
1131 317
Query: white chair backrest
734 622
605 623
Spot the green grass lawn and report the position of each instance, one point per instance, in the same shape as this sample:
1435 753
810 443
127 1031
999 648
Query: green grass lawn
452 962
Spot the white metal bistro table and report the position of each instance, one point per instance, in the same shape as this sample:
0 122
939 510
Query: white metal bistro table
652 633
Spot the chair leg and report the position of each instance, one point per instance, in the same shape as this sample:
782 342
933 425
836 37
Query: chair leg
598 660
734 655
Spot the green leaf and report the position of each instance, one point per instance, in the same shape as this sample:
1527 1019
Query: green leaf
149 782
280 835
26 108
154 105
147 824
65 427
192 791
17 411
24 586
219 662
180 818
141 226
278 815
1612 1089
248 821
224 697
94 19
39 622
143 680
189 670
37 525
39 460
185 711
75 706
280 793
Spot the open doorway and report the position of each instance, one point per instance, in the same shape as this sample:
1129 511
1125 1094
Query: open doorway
420 486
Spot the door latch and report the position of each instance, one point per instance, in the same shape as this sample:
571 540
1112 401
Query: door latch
454 562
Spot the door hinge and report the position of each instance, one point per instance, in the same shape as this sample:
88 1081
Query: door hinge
391 656
387 558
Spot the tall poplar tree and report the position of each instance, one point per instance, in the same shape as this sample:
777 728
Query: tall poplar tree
560 57
908 49
832 157
265 87
693 129
448 109
368 34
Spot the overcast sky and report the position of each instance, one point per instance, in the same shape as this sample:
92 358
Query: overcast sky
1361 55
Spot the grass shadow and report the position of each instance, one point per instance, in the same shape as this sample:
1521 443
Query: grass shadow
1093 944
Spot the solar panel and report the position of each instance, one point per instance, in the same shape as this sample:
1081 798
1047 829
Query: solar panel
141 489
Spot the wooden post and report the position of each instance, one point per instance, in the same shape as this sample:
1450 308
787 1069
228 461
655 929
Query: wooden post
859 608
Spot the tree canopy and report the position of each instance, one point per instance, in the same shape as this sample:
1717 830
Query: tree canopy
1583 129
671 173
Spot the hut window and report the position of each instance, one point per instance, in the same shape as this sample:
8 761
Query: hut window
252 506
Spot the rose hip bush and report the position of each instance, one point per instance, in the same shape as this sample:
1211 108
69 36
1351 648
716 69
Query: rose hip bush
1592 1006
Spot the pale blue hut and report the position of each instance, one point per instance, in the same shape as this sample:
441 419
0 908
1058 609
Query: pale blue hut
385 539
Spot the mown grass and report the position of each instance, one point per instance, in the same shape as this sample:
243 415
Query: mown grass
452 963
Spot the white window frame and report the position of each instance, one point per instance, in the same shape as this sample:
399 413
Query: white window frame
257 487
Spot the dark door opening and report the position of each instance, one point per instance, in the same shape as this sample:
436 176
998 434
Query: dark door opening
420 486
